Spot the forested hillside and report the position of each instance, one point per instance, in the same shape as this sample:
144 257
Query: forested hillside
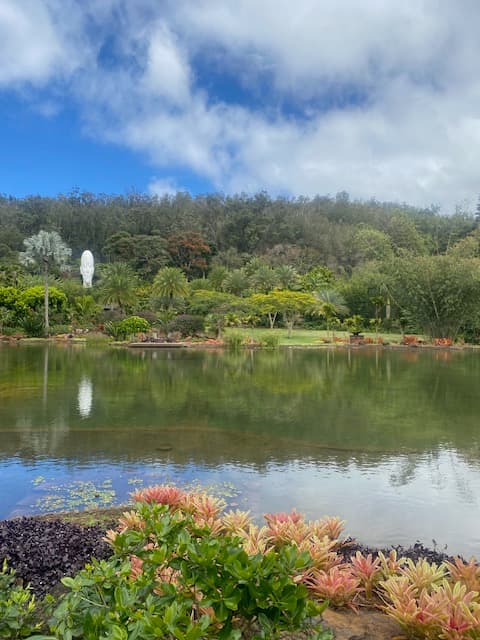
215 256
322 229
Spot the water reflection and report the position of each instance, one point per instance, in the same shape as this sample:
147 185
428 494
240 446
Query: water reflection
85 397
389 444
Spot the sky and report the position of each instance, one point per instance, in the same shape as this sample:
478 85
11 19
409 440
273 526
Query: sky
377 98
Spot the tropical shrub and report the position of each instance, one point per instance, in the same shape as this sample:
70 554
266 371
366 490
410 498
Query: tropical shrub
134 324
18 607
114 329
32 325
121 329
186 325
34 297
8 297
175 574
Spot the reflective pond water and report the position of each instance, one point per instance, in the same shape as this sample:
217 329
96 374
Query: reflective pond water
388 440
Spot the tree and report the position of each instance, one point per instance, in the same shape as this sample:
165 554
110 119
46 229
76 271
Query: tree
372 244
190 252
118 285
264 279
291 304
439 295
317 278
263 304
330 305
170 283
45 250
287 277
405 235
146 253
236 282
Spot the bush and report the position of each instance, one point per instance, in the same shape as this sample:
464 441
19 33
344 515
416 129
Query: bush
18 607
32 325
270 341
34 298
149 316
186 325
172 576
121 329
114 330
134 324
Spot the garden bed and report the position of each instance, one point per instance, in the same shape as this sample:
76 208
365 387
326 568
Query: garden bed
43 549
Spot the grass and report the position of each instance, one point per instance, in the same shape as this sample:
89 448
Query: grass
309 337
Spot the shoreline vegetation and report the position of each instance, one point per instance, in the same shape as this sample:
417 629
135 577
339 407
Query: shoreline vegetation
251 338
371 593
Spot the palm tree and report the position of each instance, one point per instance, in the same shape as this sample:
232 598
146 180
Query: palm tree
170 283
264 279
236 282
330 305
44 250
287 277
118 285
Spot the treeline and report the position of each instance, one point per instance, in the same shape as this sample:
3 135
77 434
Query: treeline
363 264
306 231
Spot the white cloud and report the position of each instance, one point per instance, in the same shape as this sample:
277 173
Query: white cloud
412 134
39 41
163 187
167 72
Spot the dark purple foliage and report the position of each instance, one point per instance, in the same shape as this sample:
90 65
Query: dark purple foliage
43 552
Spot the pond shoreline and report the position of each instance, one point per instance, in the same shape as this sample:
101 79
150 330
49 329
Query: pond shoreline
69 539
81 341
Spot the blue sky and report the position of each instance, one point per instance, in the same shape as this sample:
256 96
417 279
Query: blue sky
380 99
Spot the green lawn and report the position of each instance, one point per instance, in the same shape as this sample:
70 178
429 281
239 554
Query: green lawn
308 336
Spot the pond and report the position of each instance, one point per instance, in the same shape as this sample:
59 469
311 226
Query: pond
387 440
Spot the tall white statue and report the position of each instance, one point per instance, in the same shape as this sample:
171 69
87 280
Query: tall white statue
87 267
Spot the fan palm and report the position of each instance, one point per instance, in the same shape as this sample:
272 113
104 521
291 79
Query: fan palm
170 283
118 285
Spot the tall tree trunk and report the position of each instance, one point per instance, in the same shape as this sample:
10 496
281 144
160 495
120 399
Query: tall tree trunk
47 327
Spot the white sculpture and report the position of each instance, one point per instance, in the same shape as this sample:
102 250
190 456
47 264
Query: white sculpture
87 267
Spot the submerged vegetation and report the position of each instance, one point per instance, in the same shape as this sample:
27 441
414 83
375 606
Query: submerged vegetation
181 566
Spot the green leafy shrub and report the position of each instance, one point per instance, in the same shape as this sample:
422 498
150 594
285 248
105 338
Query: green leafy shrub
134 324
121 329
173 576
187 325
8 297
34 298
18 607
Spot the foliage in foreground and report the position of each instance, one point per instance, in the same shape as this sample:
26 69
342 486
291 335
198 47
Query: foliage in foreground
184 568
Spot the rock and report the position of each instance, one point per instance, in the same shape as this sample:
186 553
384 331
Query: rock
367 624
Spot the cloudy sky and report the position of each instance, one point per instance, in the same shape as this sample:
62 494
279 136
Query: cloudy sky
376 97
